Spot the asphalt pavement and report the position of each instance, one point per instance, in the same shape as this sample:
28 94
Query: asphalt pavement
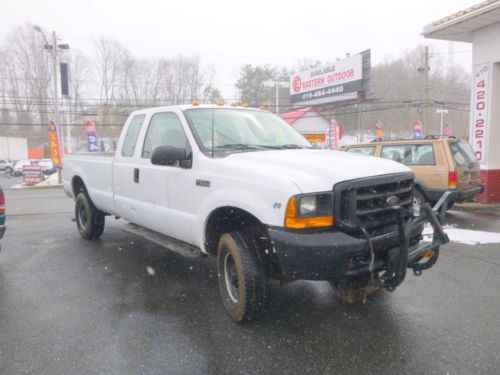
121 305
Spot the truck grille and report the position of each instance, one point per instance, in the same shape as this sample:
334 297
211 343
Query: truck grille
364 201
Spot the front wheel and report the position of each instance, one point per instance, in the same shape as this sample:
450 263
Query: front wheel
243 284
89 219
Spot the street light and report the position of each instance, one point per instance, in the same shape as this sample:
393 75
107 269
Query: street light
442 112
54 48
271 83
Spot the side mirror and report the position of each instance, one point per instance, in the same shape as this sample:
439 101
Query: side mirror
168 155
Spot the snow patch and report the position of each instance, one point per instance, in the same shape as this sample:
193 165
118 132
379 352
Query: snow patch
53 179
466 236
150 270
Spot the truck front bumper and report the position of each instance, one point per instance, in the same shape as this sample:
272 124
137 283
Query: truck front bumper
326 255
333 254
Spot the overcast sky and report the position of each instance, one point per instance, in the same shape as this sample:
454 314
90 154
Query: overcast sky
228 34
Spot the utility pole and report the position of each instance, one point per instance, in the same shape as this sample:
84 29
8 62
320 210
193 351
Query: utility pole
55 65
54 49
270 83
426 90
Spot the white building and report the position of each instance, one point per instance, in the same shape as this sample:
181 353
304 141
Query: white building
13 148
480 25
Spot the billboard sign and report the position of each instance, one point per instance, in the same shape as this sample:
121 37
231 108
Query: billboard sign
92 135
328 83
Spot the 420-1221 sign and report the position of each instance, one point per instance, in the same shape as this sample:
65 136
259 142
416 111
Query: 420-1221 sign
480 111
323 92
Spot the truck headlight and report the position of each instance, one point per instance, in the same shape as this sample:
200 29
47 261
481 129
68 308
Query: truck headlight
307 205
310 211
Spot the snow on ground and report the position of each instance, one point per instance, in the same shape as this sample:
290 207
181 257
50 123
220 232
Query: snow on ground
466 236
51 180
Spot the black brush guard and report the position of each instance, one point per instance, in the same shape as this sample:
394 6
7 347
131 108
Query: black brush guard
402 257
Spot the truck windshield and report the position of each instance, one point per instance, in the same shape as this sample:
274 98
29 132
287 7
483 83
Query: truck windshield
236 130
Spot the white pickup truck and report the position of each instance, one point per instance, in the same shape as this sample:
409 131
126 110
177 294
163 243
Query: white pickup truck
244 186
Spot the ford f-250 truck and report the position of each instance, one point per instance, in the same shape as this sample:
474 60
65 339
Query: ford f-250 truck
244 186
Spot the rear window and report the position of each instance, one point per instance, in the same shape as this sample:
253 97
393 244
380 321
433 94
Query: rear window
462 153
130 140
411 154
367 150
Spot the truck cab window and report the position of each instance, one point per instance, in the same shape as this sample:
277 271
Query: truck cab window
165 129
130 140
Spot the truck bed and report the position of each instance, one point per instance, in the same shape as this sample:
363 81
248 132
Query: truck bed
96 169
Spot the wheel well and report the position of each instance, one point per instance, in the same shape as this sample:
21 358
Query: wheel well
78 186
227 219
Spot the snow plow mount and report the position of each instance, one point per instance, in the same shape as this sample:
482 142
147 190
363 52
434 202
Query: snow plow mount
419 258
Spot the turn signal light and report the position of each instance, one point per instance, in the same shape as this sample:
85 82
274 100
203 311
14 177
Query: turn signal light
428 254
2 203
452 180
195 102
292 221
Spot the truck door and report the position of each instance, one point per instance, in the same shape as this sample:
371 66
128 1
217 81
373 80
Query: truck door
165 197
125 189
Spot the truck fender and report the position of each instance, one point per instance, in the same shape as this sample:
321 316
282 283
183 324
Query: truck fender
240 199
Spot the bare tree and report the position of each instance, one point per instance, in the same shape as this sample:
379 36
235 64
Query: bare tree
108 59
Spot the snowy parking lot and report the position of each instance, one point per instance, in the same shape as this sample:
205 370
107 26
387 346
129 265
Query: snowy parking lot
122 305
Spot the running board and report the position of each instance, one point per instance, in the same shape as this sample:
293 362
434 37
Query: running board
167 242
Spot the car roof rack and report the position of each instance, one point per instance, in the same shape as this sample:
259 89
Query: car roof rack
437 136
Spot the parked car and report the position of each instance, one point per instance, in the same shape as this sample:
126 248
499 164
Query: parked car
17 169
2 214
48 167
4 164
440 164
242 185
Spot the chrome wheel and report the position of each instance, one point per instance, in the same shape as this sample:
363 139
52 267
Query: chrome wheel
231 278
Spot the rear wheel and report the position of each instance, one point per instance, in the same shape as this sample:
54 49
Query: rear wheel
89 219
243 284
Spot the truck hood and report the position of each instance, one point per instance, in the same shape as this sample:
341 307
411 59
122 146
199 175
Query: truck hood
311 170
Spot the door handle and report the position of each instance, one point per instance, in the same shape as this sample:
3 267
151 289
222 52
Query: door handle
136 175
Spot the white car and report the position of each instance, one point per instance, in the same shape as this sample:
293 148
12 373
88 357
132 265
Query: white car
46 164
17 169
4 164
244 186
